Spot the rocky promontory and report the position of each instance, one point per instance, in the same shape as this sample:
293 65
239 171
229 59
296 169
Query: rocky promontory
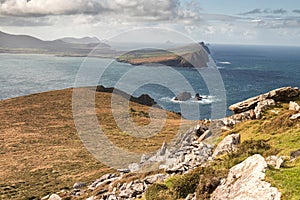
187 56
228 158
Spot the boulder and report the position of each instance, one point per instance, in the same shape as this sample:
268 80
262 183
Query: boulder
245 181
79 185
54 197
295 116
275 161
227 145
198 97
262 106
294 106
284 94
184 96
295 154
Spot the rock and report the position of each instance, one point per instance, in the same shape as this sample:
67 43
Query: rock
281 94
152 179
227 145
275 161
204 136
295 116
162 150
295 154
200 129
198 97
294 106
191 197
184 96
245 181
54 197
123 170
79 185
134 167
262 106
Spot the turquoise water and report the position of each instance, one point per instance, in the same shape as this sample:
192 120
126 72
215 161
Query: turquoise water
246 71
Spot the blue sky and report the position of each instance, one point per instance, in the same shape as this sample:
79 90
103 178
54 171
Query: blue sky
262 22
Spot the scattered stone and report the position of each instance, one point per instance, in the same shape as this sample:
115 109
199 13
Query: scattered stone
54 197
191 197
205 135
295 116
295 154
275 161
184 96
262 106
79 185
227 145
245 181
198 97
123 170
294 106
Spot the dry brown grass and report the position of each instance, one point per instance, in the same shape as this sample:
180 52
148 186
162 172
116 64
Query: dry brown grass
41 153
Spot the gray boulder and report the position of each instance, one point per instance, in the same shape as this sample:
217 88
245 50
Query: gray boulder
245 181
262 106
295 154
294 106
54 197
184 96
275 161
227 145
295 116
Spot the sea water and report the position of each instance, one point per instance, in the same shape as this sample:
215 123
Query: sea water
246 71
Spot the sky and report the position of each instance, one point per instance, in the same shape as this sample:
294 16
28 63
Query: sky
256 22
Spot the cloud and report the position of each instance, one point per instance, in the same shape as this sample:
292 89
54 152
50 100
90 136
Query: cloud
151 9
23 22
280 11
296 11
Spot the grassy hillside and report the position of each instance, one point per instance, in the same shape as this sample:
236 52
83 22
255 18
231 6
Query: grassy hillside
41 152
274 134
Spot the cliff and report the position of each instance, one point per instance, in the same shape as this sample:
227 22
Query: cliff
186 56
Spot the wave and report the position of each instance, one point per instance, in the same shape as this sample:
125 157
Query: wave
225 63
205 100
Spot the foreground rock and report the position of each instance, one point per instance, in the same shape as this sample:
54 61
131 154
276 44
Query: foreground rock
227 145
245 181
284 94
294 106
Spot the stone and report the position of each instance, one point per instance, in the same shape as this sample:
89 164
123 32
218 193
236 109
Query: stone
275 161
262 106
246 181
227 145
204 136
54 197
134 167
152 179
295 154
184 96
123 170
191 197
79 185
295 116
294 106
198 97
200 129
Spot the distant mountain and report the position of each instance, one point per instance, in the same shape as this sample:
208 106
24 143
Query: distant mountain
84 40
71 46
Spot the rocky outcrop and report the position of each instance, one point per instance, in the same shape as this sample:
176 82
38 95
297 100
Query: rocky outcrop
144 99
262 106
295 116
227 145
184 96
294 106
275 161
284 94
245 181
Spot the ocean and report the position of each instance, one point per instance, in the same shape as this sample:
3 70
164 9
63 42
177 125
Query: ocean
246 71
